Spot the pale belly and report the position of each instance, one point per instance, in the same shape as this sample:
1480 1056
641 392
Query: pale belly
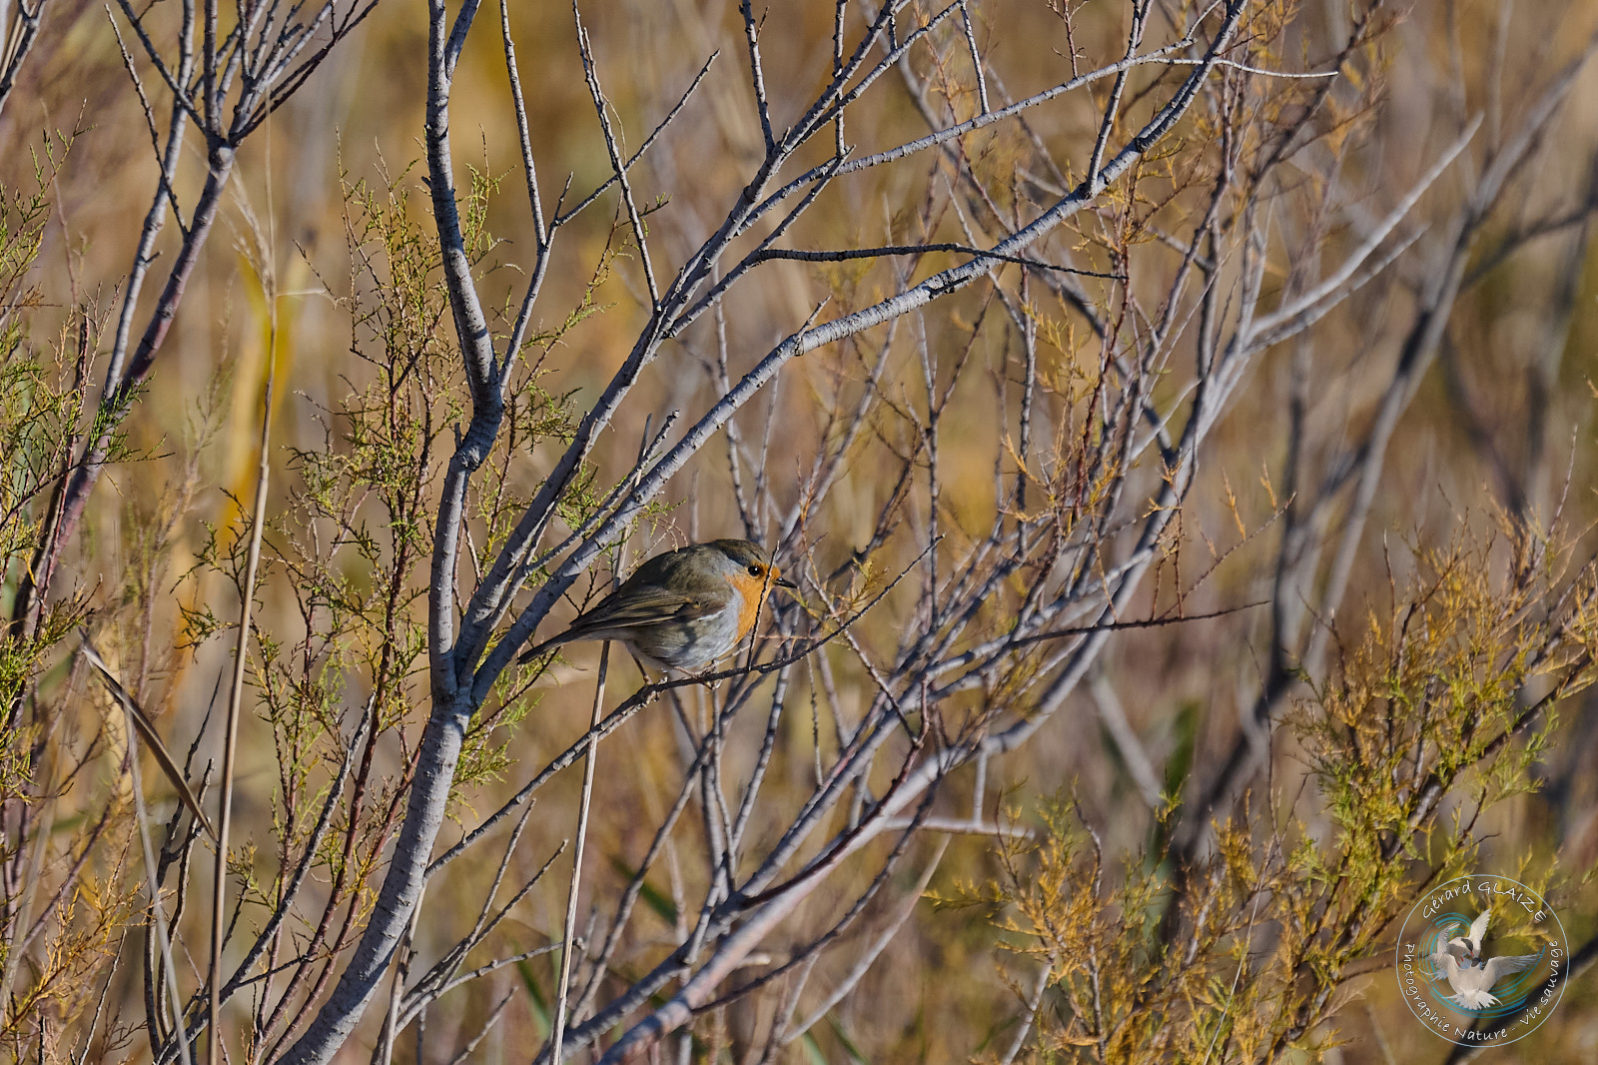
687 645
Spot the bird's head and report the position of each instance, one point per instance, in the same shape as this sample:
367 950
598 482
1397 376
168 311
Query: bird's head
747 565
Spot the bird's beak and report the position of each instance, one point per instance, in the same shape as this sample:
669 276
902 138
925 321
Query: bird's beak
784 582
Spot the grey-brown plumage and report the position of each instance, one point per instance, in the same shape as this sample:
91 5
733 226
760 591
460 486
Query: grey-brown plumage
682 609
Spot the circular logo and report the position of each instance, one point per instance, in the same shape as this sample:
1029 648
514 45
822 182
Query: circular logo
1481 960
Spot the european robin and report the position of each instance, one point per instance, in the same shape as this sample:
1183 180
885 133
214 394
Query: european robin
683 609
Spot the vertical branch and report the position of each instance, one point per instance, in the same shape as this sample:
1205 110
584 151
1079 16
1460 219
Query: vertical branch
153 885
230 736
450 667
16 40
477 352
210 102
757 72
568 939
1113 107
541 229
602 110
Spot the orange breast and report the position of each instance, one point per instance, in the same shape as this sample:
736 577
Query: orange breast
748 589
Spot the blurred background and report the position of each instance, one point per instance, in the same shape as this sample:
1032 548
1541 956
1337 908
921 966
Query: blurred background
1498 431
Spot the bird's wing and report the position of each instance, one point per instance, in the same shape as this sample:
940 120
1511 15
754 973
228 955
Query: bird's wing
643 599
1478 930
1447 964
645 607
1505 964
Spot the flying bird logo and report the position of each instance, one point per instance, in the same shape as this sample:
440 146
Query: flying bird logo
1472 975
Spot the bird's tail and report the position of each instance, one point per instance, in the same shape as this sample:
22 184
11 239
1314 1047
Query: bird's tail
537 650
1476 1000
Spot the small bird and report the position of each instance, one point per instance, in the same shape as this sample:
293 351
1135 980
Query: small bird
683 609
1470 975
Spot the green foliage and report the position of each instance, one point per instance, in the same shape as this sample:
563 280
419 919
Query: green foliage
1424 725
61 923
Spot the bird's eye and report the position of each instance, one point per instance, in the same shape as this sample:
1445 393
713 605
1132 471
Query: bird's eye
755 570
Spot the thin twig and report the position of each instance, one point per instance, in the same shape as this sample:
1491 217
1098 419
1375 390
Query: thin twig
568 940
